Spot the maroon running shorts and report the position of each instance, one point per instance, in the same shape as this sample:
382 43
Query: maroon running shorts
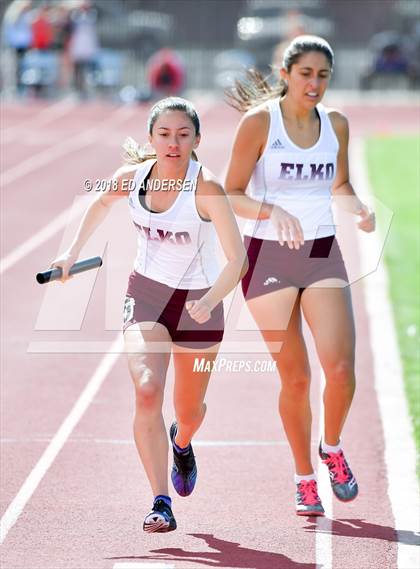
148 300
273 266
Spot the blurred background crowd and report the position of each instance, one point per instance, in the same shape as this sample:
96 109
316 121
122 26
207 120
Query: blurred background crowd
142 49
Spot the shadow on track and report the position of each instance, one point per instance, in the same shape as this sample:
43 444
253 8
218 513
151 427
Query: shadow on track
229 554
350 527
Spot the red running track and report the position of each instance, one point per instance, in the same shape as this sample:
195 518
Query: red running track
88 508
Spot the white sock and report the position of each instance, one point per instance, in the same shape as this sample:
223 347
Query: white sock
329 448
306 477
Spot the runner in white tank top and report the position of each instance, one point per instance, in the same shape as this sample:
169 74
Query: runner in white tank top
294 153
174 296
175 247
298 180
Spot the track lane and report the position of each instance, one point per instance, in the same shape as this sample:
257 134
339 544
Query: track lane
46 521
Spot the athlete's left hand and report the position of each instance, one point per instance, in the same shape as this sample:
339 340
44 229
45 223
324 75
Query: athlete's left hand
199 310
368 220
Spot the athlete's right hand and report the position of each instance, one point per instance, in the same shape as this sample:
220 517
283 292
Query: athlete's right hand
288 227
64 262
199 310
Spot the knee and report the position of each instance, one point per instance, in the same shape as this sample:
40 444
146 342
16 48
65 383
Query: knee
148 387
340 371
148 393
295 380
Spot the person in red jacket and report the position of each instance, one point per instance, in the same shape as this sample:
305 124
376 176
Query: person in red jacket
42 30
166 73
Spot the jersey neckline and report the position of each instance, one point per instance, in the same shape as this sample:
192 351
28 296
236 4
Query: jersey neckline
290 141
171 207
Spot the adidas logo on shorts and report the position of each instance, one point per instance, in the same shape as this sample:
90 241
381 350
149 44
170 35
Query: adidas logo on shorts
271 280
277 144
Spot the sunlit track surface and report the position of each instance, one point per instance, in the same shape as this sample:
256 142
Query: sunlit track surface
88 508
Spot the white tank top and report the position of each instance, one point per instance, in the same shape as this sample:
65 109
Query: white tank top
297 179
175 247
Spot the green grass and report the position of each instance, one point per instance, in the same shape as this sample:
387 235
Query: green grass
394 173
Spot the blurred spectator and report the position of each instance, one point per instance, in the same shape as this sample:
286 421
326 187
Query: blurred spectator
389 59
60 18
166 73
42 30
18 33
83 44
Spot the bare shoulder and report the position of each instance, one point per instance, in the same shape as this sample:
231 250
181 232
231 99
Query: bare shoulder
338 120
256 119
121 180
125 172
208 184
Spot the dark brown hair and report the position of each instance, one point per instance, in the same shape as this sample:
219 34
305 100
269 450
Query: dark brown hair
256 88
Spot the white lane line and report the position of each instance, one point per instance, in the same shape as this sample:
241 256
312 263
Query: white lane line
31 483
323 536
43 234
400 452
44 117
73 143
129 565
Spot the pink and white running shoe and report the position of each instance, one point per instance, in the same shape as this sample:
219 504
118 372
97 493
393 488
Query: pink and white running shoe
308 503
343 483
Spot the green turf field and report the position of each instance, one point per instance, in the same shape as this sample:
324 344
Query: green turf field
394 172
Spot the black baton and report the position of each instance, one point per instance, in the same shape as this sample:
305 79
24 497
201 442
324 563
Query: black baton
79 267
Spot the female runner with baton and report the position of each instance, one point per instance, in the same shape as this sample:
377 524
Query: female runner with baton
174 296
